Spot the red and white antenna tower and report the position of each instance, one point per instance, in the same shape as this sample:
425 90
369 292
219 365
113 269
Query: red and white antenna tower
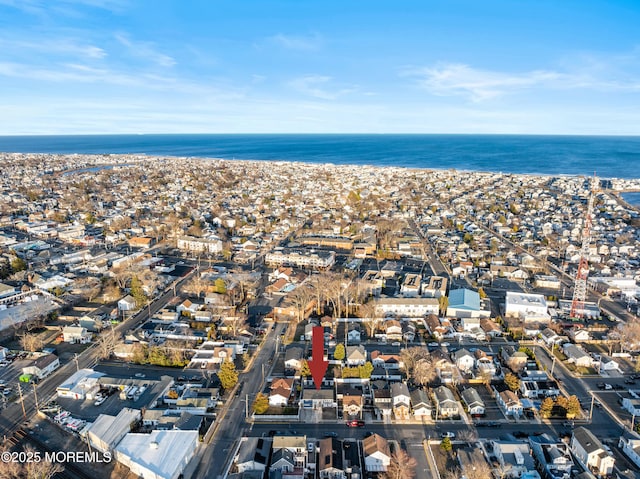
580 285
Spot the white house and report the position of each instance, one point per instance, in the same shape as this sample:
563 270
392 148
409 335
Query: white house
293 358
474 402
632 405
464 360
253 454
588 449
355 355
420 404
445 402
514 457
630 445
76 334
576 355
279 397
607 363
377 455
128 303
509 403
401 400
354 337
43 366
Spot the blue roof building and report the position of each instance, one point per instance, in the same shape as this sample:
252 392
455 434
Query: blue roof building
465 303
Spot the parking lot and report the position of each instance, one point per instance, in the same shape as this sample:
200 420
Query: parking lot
88 411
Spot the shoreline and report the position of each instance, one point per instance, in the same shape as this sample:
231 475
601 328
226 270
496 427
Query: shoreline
133 159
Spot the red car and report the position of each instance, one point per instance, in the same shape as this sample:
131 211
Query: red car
355 423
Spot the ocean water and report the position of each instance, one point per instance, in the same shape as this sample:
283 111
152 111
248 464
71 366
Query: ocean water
608 157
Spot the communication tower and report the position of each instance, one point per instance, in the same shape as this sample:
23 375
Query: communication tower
580 285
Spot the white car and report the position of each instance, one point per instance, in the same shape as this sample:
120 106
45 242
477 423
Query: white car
99 400
449 434
396 343
608 387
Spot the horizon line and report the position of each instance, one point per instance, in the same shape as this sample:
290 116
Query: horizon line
601 135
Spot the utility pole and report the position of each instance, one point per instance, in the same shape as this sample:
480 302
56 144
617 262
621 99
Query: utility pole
246 406
75 356
24 413
593 398
35 395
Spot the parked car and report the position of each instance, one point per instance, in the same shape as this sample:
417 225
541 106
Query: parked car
355 423
449 434
331 434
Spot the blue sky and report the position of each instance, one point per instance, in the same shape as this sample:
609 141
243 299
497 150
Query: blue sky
449 66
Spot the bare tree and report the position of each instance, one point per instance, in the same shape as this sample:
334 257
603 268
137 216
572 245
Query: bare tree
402 466
424 372
31 342
369 313
30 469
122 276
106 343
478 469
196 285
234 323
630 334
300 298
410 356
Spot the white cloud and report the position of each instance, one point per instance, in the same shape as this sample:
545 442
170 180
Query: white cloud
145 50
62 47
318 86
456 79
297 42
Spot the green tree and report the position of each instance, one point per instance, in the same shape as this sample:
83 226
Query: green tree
512 381
546 408
339 353
228 375
305 372
482 293
137 292
573 407
90 218
364 371
446 445
18 264
221 286
562 403
261 404
158 356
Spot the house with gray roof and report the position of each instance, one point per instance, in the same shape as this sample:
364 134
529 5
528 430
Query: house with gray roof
588 449
474 402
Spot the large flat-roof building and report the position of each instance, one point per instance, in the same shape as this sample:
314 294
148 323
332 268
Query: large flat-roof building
301 258
158 455
528 307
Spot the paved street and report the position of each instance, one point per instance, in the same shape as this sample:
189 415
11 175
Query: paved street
231 421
